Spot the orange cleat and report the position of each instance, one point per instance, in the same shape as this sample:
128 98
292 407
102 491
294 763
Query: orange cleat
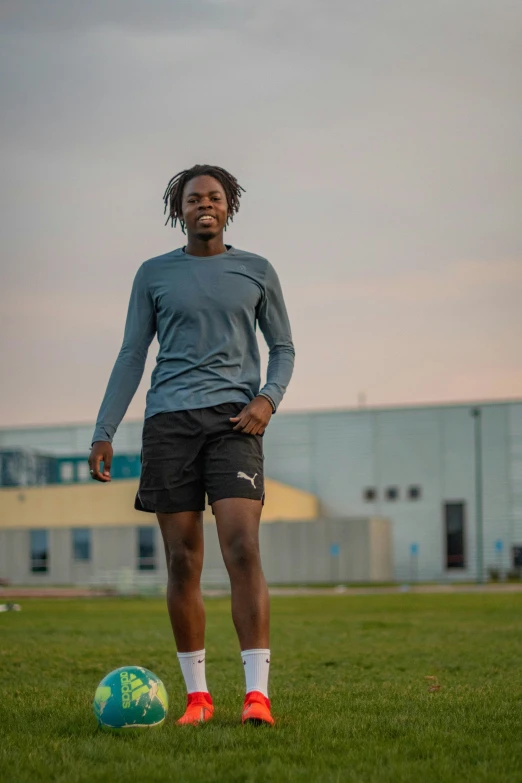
199 709
256 710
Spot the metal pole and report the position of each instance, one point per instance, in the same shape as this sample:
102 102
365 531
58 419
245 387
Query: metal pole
479 516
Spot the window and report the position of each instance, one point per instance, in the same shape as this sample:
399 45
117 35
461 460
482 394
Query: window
66 471
39 552
454 526
370 494
81 543
414 493
146 549
83 471
392 493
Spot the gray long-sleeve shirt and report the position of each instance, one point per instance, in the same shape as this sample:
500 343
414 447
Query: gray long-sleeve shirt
204 311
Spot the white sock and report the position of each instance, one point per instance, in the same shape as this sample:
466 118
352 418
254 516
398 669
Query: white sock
193 670
256 664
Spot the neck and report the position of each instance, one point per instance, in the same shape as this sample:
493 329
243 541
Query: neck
205 247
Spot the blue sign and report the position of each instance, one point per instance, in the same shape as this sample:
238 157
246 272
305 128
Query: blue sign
414 549
499 545
335 550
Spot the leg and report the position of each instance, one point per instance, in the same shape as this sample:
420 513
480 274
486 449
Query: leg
237 521
171 485
235 486
183 540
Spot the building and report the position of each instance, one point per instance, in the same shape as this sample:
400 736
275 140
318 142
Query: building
416 467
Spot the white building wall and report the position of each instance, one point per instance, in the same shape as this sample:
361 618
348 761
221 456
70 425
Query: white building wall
407 447
289 456
496 494
341 453
342 458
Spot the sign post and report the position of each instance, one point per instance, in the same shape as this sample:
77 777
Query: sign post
499 548
335 551
414 562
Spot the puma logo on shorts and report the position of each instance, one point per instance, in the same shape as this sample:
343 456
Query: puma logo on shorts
242 475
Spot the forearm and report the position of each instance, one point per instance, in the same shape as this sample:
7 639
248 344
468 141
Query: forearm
274 323
279 372
123 383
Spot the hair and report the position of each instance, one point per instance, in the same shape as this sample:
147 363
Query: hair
173 195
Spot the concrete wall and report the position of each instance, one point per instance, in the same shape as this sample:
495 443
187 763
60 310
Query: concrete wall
381 550
302 552
292 552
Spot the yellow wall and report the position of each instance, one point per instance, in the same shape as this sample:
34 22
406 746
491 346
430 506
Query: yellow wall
98 505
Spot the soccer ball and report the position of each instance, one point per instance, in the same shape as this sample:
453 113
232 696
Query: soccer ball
130 698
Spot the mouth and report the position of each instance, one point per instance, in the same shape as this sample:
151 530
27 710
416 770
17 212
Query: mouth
206 220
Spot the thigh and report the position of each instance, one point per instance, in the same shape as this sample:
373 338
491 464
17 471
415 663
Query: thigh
233 466
182 532
172 478
237 523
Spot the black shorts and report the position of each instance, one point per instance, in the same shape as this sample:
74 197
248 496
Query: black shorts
187 454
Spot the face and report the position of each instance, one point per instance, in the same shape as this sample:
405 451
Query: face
205 208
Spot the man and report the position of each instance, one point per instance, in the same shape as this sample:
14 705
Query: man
205 419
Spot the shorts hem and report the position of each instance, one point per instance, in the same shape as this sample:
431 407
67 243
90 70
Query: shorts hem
149 508
227 495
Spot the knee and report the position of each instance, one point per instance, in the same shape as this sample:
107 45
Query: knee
243 554
183 564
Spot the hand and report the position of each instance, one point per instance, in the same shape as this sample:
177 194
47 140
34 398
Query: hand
101 452
254 418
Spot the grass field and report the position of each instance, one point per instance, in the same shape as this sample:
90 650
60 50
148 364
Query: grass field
349 690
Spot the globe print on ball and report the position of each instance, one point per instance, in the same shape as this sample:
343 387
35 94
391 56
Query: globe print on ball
130 698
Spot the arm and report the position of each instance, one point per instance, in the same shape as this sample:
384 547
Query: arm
275 326
140 328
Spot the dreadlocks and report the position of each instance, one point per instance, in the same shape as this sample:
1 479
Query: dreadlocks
173 195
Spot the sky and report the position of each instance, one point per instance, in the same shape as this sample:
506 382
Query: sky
379 144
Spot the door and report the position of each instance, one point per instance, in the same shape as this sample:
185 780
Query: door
454 529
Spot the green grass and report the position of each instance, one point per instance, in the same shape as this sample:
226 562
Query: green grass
348 684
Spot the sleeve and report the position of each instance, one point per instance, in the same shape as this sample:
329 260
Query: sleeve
275 326
140 328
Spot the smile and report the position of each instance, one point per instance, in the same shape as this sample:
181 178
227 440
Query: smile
206 219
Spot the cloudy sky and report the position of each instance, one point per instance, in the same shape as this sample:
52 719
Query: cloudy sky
379 142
